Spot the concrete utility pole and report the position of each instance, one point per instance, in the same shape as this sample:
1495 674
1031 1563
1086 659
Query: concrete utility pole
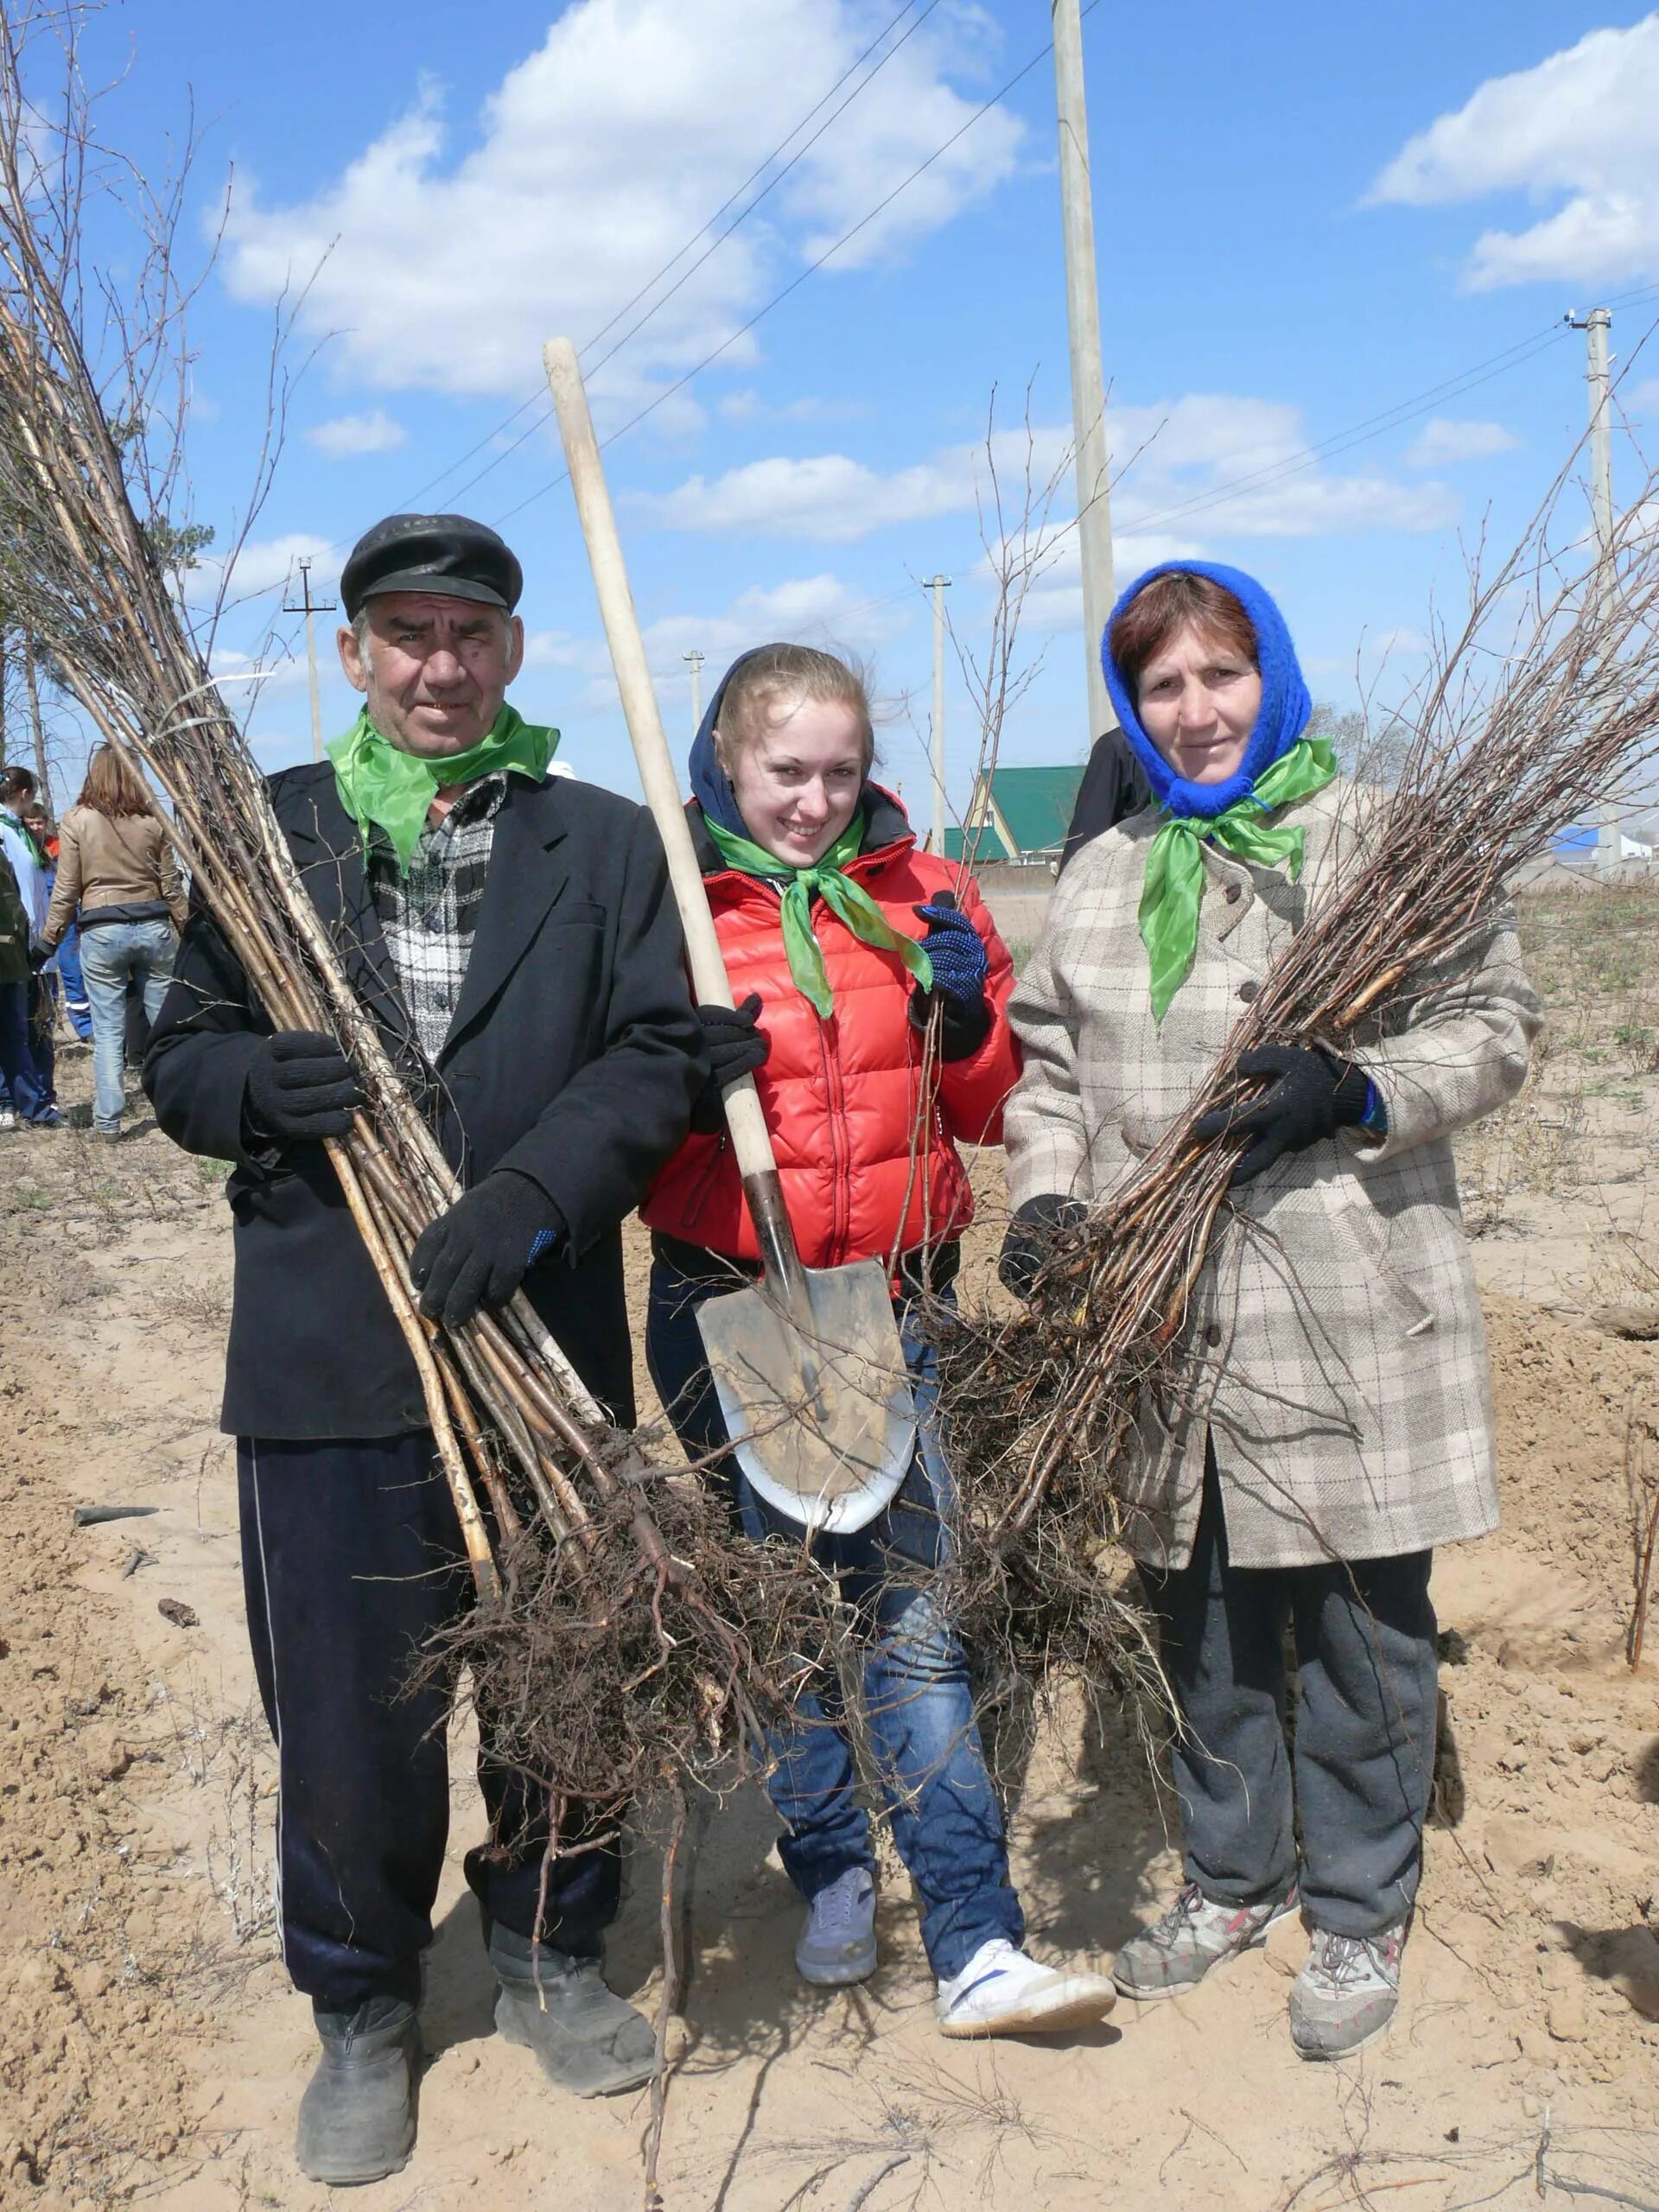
694 662
1595 327
938 586
310 608
1088 385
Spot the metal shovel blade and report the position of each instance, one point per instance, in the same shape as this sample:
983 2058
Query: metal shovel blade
823 1420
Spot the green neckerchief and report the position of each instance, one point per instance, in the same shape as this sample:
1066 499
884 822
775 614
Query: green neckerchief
1173 883
16 822
844 898
382 788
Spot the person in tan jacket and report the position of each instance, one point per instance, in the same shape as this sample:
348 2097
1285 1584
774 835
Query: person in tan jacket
116 866
1334 1421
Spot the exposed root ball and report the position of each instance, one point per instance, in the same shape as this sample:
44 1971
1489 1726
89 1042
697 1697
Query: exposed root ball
608 1662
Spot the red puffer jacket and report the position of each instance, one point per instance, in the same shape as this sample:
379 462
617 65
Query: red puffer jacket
843 1097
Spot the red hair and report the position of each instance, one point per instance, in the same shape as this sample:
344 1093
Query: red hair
1169 604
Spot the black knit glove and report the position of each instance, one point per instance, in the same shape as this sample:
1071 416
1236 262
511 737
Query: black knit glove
300 1085
479 1252
734 1047
1031 1236
1313 1095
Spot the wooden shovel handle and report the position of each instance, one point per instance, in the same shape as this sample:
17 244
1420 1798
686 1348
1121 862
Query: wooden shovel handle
744 1117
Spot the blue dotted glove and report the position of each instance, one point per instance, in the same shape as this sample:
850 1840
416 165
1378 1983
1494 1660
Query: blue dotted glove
961 962
961 965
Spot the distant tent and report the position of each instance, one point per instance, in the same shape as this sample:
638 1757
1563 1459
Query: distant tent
1016 814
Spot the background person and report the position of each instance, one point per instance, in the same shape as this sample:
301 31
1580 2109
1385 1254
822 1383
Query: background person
1337 1421
17 791
117 884
513 938
818 890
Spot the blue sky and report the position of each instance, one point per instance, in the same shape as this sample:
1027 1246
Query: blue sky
1306 216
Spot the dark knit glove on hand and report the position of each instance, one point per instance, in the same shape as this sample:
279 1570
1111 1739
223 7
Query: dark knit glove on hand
1031 1236
1313 1095
961 965
300 1085
479 1252
734 1047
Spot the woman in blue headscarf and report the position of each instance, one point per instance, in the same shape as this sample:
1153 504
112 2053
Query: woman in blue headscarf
1333 1423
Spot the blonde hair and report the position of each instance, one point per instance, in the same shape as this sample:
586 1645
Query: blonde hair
780 677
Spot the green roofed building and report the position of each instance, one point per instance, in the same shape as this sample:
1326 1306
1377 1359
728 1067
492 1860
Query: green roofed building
1016 814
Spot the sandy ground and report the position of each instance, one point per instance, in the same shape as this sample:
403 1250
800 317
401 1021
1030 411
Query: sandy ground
151 2050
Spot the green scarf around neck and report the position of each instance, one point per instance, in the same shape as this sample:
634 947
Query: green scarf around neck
848 900
383 789
1173 884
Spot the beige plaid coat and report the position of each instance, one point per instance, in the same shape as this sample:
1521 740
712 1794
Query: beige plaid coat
1335 1352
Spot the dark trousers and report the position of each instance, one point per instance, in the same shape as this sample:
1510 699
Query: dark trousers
19 1075
1367 1672
352 1558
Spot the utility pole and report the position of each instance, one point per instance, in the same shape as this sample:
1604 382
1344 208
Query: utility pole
694 662
1088 385
1595 327
310 608
938 586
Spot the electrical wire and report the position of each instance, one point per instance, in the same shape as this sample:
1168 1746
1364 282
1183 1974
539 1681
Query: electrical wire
812 269
538 398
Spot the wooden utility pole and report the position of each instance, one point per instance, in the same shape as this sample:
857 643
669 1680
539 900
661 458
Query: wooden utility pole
310 608
1595 327
1088 384
937 586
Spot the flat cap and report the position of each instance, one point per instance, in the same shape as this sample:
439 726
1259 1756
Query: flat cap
449 555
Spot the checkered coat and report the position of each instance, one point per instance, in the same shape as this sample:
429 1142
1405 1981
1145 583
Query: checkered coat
1335 1351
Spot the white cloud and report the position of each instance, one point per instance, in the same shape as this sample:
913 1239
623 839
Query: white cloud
818 610
1441 443
1190 450
266 564
747 406
347 435
596 158
1582 128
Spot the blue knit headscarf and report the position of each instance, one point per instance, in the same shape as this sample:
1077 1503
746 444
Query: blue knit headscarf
710 785
1285 708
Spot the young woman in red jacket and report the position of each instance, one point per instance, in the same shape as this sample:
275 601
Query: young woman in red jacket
818 891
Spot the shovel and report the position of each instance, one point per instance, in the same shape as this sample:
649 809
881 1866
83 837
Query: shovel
808 1365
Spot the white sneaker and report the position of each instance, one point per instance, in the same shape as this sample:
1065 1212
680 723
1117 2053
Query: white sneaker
8 1118
1002 1992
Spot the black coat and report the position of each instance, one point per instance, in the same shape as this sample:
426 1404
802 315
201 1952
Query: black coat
1114 786
573 1058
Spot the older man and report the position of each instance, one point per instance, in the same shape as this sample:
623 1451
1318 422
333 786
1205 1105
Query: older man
514 938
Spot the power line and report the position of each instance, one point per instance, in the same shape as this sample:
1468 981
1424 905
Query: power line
538 399
1372 426
812 269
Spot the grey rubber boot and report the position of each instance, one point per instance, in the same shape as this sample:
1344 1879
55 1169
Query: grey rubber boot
356 2117
588 2040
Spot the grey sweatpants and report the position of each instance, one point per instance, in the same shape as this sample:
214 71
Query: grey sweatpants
1364 1740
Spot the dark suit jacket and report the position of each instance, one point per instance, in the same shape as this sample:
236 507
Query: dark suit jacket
1114 786
573 1058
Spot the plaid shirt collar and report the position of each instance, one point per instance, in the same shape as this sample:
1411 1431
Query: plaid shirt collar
429 916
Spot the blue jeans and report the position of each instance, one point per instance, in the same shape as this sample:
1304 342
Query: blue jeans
74 985
918 1706
19 1069
108 955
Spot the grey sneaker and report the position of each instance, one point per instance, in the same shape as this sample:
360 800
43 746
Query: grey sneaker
1196 1934
837 1944
356 2117
1346 1993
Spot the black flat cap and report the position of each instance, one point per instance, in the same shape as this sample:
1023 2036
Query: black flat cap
449 555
